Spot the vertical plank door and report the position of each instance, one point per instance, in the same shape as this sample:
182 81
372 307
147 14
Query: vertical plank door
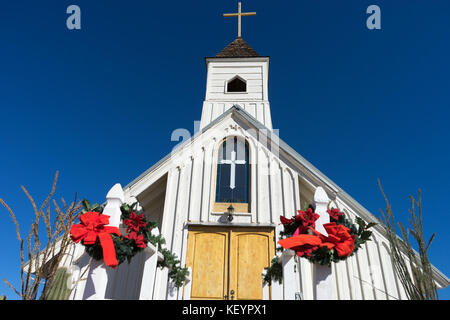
227 263
251 250
207 255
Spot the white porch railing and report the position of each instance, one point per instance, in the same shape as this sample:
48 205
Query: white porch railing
135 280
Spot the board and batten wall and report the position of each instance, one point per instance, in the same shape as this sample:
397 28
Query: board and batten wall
277 188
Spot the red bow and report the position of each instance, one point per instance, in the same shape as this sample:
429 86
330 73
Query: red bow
93 225
302 244
339 238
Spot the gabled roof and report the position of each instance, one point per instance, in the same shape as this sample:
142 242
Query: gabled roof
330 185
237 49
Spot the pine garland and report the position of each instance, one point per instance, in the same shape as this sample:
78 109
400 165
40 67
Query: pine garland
273 272
127 246
321 255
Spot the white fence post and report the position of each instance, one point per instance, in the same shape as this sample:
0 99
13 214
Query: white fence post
149 270
188 286
289 282
98 274
265 288
323 282
172 291
277 290
265 291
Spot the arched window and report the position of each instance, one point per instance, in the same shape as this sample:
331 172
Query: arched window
233 175
237 84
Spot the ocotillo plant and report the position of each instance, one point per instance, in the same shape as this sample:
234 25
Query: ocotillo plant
43 262
414 270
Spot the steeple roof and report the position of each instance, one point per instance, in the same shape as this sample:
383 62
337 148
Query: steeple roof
237 49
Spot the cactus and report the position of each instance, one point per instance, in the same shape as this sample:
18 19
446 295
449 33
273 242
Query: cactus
58 288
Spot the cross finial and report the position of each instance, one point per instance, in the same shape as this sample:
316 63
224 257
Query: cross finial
239 14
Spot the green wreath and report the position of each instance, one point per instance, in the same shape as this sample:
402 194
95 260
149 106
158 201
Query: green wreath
299 234
135 240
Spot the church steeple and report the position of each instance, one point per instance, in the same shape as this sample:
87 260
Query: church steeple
237 75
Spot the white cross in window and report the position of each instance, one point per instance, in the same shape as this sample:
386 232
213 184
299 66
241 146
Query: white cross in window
233 162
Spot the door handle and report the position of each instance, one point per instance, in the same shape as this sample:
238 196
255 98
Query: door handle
226 297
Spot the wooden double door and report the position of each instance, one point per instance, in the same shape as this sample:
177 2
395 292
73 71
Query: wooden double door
227 263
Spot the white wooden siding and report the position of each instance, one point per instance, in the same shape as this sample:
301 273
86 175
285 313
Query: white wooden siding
190 188
254 100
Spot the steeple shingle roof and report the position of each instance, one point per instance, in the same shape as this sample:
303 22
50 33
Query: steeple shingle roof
237 49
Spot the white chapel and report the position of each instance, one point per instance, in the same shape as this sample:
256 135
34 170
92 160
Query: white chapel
218 198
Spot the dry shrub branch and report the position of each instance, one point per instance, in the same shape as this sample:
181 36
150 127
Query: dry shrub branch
44 251
414 271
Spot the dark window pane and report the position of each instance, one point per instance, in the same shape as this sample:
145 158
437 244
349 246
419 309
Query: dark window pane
240 193
223 183
237 85
241 190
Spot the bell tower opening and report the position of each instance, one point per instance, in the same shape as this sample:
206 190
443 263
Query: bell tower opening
237 84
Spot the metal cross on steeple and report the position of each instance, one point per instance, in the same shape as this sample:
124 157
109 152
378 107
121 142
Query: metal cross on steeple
239 14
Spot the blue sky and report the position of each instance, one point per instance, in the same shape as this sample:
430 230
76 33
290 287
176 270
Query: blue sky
100 104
